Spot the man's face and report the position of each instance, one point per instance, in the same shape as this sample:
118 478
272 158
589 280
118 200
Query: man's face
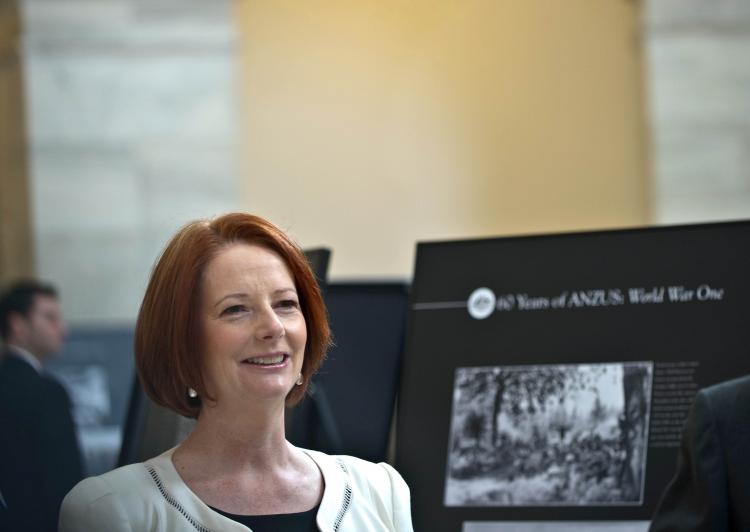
43 330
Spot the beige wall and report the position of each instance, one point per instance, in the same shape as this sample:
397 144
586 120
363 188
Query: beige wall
371 125
15 230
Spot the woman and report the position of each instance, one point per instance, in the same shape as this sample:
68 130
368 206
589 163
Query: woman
231 329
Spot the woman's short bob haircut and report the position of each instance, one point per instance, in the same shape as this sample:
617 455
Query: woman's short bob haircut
168 342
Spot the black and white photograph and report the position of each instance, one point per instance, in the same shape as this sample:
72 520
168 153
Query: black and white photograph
549 435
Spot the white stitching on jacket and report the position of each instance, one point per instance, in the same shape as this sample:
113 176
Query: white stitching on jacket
347 497
171 500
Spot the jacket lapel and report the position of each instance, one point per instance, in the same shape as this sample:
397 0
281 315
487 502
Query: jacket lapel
336 494
178 495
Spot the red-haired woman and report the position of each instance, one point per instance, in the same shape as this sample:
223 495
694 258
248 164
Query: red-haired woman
231 329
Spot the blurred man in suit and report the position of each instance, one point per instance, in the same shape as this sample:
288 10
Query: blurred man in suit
40 459
711 489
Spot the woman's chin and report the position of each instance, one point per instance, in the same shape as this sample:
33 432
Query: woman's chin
254 391
275 390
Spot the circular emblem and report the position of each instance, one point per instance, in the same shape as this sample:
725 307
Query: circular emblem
481 303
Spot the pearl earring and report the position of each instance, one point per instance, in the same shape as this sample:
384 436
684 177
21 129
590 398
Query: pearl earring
192 393
299 380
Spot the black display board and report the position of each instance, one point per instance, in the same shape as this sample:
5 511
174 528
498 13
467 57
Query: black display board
359 379
546 378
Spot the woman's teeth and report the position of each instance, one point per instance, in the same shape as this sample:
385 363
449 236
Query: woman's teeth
266 361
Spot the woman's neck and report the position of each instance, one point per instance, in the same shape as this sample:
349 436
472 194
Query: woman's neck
240 462
238 439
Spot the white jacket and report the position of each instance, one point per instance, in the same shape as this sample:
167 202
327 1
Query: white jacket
151 497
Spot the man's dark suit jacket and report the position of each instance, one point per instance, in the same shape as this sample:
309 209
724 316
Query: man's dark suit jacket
711 490
39 456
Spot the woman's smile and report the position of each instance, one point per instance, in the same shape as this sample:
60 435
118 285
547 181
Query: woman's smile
267 361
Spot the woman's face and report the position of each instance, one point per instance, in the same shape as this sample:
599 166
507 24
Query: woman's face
253 328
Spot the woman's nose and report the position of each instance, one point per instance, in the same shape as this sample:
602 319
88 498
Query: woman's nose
269 325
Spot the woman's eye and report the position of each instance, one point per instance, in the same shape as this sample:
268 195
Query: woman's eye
288 304
234 309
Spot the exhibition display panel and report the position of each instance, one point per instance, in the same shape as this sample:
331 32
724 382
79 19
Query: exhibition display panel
547 378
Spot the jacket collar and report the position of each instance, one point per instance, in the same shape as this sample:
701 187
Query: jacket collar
24 355
333 506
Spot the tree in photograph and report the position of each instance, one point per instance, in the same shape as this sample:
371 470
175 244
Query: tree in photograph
520 391
598 411
525 391
560 421
474 426
633 423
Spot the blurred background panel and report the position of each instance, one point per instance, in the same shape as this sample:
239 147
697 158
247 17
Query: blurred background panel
96 366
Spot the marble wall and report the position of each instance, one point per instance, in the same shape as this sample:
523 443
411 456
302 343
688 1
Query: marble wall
699 88
133 132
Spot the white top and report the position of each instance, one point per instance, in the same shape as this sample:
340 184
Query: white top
152 497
